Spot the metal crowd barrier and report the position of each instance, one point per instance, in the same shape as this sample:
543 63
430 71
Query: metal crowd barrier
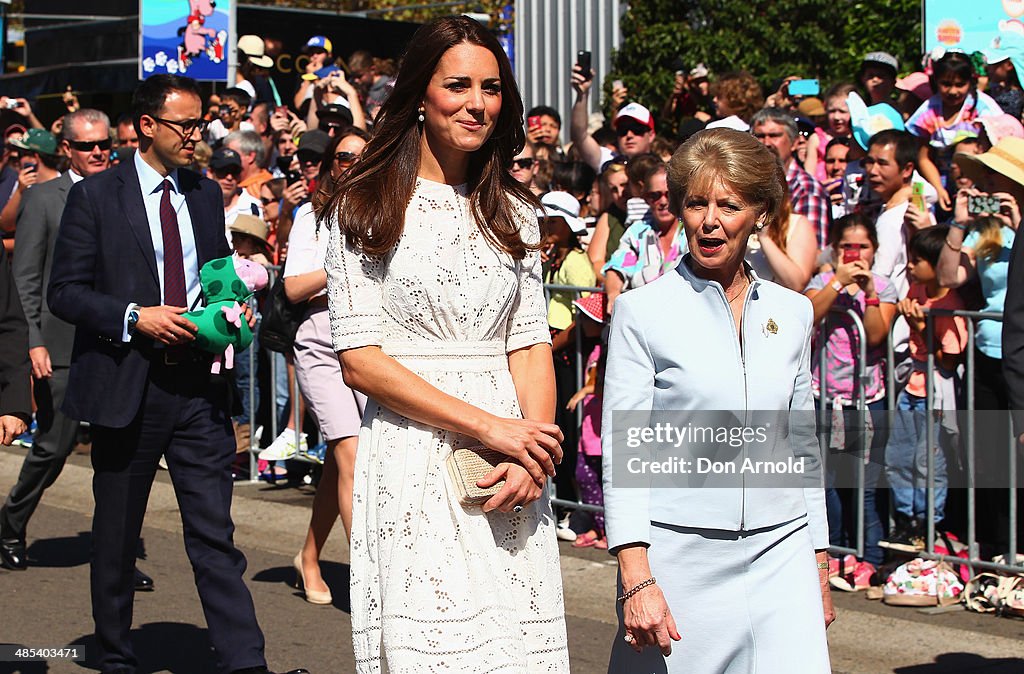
861 406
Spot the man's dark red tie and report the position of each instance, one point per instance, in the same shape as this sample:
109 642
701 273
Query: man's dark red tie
174 263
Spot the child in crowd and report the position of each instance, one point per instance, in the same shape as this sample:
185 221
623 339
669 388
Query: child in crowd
838 114
591 316
907 450
948 116
564 263
872 297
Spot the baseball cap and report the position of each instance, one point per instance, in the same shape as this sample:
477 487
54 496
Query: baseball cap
1005 46
314 140
335 113
636 112
223 157
251 225
562 205
37 140
318 42
594 306
917 84
880 58
699 71
254 49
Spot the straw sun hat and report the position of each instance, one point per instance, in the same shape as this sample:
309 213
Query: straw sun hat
1006 158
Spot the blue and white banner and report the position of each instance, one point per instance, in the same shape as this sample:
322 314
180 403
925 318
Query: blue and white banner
186 37
970 26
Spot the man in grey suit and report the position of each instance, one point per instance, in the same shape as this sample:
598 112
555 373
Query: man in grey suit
87 143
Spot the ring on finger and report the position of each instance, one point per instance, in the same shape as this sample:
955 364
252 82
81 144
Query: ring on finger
517 508
629 638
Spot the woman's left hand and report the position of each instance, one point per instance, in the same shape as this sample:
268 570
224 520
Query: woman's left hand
826 592
1009 210
519 489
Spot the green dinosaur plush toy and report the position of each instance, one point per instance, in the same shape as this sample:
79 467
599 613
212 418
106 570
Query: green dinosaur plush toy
227 283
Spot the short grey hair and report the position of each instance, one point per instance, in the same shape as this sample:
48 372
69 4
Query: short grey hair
779 116
248 141
83 116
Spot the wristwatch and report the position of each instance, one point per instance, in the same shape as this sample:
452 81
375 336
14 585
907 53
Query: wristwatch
133 319
836 285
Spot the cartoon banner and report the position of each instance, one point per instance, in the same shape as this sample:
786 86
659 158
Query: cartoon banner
970 26
185 37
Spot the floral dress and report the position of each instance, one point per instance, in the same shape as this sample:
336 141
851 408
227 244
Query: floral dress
437 587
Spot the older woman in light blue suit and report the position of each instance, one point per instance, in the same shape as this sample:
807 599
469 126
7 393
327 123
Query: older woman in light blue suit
741 571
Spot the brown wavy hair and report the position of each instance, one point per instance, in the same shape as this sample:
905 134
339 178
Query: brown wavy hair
738 160
741 92
370 203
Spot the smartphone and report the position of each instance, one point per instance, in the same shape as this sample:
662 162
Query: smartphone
617 84
983 203
917 196
804 88
292 177
583 61
283 163
30 167
850 255
533 122
13 102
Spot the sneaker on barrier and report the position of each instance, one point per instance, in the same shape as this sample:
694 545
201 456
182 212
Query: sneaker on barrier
283 447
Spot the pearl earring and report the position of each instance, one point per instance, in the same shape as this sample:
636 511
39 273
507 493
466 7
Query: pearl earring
421 117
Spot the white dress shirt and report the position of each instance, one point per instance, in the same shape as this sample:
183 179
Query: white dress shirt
152 191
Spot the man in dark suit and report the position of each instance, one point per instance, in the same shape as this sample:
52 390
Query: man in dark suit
87 144
15 396
126 266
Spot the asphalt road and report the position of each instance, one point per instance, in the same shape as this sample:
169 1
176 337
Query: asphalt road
48 605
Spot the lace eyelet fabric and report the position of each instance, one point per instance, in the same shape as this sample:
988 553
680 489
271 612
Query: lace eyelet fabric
437 587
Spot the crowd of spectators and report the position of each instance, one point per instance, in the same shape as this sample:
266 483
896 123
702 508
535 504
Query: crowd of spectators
883 173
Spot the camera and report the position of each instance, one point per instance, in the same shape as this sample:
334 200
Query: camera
983 203
11 103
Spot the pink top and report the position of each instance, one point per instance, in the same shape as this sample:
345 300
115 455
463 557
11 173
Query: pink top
590 433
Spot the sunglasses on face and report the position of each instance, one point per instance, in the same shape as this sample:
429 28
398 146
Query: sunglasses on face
88 145
631 127
308 157
345 157
655 196
223 173
524 163
328 127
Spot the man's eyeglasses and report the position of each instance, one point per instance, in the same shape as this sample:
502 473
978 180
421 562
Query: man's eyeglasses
228 171
328 127
187 126
655 196
88 145
345 157
524 163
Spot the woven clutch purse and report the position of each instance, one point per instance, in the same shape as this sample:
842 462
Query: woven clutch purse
469 464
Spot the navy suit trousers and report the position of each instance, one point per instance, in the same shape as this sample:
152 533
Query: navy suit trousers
183 416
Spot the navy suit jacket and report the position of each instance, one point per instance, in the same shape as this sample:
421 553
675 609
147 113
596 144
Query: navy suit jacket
104 260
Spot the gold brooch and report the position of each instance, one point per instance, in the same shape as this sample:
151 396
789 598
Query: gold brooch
772 327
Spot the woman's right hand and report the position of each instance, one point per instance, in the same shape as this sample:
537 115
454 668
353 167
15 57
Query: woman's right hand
648 619
847 273
534 444
960 214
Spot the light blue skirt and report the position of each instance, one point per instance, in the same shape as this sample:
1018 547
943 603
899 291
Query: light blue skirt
744 602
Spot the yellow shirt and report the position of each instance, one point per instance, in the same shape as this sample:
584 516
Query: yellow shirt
576 270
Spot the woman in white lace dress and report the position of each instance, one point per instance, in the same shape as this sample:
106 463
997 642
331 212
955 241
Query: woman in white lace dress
437 312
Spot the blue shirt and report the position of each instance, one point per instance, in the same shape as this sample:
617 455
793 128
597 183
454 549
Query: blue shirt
992 274
152 191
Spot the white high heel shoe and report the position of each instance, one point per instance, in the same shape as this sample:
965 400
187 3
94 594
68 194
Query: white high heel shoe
320 598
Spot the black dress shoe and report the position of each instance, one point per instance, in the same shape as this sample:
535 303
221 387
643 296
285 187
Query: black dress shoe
264 670
12 555
143 583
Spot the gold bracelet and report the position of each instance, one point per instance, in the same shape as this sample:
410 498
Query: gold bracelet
822 565
637 588
953 248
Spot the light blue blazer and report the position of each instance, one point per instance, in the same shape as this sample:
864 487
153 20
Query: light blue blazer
674 346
